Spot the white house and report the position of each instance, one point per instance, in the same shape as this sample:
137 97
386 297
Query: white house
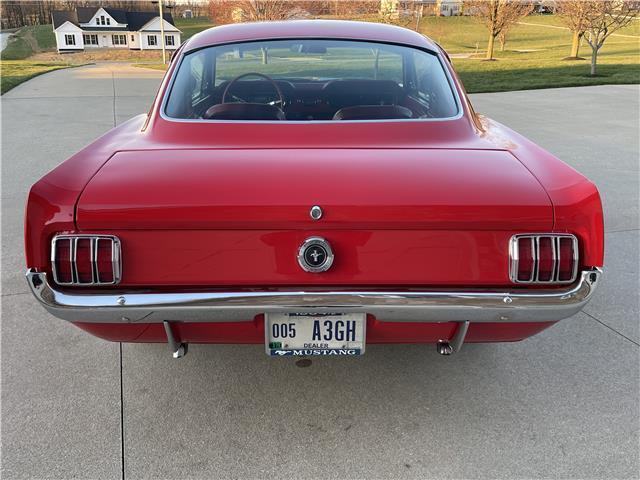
444 8
98 27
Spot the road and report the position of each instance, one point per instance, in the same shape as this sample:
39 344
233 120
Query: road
561 404
4 39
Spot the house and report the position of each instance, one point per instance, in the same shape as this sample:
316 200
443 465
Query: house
187 14
100 27
444 8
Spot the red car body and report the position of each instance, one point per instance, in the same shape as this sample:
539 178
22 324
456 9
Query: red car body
413 207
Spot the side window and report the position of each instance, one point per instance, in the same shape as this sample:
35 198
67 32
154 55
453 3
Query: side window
422 75
432 86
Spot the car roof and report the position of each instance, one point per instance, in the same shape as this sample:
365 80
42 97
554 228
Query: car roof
333 29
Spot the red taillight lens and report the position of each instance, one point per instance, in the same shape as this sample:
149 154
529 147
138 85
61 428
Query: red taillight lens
543 258
546 259
566 261
86 260
62 261
525 256
104 261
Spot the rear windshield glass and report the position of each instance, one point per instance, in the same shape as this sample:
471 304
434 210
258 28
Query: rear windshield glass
310 80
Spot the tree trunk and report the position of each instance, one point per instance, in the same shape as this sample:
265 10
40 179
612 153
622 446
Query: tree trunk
490 48
594 60
575 44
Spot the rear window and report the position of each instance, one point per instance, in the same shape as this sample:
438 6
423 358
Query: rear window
310 80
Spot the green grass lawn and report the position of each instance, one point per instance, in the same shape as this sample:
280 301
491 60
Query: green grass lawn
14 72
191 26
29 40
14 66
533 55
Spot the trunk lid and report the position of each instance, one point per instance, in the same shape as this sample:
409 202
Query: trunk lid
247 189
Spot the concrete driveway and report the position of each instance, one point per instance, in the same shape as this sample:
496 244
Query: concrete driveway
561 404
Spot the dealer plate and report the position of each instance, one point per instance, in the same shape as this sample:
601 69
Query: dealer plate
301 334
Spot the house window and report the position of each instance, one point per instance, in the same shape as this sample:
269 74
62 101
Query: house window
152 40
119 39
108 21
97 21
70 39
168 40
102 20
90 39
133 39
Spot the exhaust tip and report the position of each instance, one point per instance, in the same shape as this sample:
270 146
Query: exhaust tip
444 348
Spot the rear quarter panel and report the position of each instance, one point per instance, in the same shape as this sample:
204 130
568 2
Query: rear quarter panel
577 207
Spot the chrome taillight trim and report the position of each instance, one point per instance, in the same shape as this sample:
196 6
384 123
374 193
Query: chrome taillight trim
555 238
116 259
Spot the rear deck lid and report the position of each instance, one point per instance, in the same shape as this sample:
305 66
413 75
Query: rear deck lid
276 188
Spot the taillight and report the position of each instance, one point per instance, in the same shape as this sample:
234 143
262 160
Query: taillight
86 260
543 258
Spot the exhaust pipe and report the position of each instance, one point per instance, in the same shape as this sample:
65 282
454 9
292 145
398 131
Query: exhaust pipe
455 344
178 350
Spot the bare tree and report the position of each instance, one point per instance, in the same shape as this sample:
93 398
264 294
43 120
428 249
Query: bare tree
498 16
574 14
605 17
232 11
407 13
353 8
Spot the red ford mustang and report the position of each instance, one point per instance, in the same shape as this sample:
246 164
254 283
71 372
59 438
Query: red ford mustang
313 186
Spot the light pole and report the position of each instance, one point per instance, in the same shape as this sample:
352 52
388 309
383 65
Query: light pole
164 52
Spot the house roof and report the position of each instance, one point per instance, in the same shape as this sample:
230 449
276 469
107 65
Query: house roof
137 20
105 28
134 20
60 17
85 14
119 16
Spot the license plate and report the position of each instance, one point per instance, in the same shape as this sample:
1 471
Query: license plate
299 334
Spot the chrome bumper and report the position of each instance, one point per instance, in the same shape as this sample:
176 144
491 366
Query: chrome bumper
516 305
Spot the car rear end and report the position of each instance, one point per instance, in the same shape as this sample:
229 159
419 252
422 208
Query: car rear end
376 210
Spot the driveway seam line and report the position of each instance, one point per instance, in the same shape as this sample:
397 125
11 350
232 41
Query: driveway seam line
623 231
121 415
611 328
113 83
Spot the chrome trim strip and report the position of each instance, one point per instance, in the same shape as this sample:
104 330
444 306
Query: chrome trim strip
94 260
74 262
515 305
438 55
